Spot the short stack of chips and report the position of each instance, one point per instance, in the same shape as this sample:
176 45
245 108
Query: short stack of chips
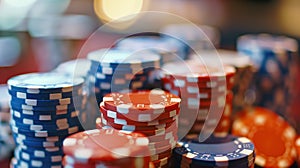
106 148
276 60
44 110
259 125
205 92
168 48
229 151
114 70
6 140
153 113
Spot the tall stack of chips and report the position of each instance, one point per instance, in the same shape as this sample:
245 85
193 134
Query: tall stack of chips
114 70
275 58
229 151
6 140
153 113
206 95
44 110
106 148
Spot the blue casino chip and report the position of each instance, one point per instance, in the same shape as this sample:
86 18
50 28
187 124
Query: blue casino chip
45 96
21 106
215 152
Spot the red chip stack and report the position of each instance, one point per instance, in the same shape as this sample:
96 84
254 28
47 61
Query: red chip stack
153 113
206 95
106 148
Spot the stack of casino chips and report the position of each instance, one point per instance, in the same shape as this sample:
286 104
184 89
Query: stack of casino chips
6 140
242 97
114 70
206 95
153 113
276 62
44 110
229 151
106 148
273 137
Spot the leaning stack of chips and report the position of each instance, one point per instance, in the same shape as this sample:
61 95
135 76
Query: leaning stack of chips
114 70
229 151
44 110
153 113
106 148
205 92
6 139
259 124
275 58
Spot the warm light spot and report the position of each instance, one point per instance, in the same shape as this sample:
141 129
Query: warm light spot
110 10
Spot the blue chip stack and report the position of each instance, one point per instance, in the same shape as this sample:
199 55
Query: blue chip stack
115 70
6 140
170 49
276 62
44 110
230 151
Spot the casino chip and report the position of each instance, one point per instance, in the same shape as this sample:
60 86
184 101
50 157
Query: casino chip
259 125
106 147
45 108
205 93
229 151
153 113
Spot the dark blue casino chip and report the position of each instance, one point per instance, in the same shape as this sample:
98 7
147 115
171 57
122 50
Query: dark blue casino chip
215 152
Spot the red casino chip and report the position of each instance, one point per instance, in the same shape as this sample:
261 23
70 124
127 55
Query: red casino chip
106 145
272 136
111 117
154 132
138 117
133 127
153 102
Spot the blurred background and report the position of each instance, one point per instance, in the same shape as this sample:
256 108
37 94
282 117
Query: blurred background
38 35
